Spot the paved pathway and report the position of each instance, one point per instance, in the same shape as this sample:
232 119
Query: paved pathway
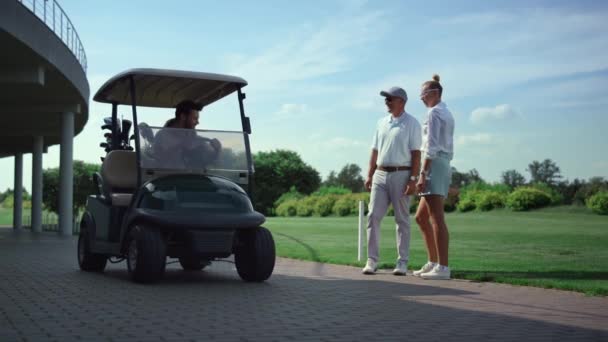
44 297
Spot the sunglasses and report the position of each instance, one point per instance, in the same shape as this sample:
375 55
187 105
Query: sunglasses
390 99
426 92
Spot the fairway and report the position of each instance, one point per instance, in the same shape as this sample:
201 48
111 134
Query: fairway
563 247
6 216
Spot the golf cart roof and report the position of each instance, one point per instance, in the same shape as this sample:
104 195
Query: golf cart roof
166 88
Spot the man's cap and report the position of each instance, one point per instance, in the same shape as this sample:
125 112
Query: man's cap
395 92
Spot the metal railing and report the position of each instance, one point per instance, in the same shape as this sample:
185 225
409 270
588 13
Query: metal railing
51 13
50 222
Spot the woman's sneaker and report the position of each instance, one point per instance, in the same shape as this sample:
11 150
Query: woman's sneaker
425 268
438 272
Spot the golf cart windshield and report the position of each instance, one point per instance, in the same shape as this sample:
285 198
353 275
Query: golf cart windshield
176 150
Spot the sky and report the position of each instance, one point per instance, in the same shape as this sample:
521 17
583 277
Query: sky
525 80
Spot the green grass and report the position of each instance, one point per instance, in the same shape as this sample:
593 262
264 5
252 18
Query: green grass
6 216
563 247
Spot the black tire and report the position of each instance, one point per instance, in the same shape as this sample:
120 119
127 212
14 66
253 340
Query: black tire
88 261
146 254
193 263
254 254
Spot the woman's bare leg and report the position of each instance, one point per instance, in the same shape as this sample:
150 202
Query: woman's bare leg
423 220
442 237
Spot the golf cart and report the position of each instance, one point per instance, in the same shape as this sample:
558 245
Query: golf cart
178 193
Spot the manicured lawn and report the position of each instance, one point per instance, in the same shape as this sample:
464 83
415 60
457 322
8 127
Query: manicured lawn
563 247
6 216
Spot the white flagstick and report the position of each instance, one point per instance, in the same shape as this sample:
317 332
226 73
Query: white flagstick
361 236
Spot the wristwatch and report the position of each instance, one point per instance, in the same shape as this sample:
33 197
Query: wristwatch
413 178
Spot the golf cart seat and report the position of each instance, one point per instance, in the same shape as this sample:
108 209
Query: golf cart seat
119 175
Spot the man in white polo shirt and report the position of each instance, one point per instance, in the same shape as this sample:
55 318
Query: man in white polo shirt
394 161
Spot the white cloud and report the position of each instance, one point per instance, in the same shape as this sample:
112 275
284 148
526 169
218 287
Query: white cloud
289 110
341 142
477 139
313 50
500 112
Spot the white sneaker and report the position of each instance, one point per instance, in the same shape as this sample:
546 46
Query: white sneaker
401 268
370 267
438 272
425 268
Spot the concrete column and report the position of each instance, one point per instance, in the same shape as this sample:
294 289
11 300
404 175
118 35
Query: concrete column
18 194
66 172
37 184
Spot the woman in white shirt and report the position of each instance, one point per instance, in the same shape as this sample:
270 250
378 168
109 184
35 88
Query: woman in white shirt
435 179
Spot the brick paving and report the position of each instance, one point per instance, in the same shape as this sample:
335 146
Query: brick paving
44 297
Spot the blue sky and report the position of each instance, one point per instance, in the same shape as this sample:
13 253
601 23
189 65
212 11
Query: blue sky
526 80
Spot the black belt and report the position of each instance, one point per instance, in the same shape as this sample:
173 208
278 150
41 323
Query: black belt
394 168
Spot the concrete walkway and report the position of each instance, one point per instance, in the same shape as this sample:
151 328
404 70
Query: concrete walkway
44 297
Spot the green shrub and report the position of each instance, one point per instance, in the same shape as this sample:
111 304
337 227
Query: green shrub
288 208
599 203
324 205
483 186
344 206
595 185
331 190
450 203
556 197
489 200
292 194
466 204
526 198
349 204
469 199
306 206
414 204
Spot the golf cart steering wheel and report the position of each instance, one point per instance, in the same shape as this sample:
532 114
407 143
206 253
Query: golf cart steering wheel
204 152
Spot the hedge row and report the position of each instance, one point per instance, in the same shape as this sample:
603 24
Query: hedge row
482 197
494 197
323 205
599 203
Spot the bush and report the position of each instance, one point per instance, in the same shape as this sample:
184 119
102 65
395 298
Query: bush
483 186
324 205
344 206
331 190
489 200
292 194
349 204
450 203
556 197
599 203
595 185
526 198
414 204
288 208
466 204
306 206
468 200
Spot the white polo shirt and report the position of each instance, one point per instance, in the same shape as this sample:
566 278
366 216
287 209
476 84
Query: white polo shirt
395 138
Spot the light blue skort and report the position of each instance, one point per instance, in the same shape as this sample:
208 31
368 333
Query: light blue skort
440 176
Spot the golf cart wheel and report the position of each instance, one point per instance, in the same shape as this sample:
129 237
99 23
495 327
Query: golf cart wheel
193 263
88 261
254 254
146 254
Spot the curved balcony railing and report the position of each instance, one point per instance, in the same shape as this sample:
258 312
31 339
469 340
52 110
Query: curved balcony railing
51 13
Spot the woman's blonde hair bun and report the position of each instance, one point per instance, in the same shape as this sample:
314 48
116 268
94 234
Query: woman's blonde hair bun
436 78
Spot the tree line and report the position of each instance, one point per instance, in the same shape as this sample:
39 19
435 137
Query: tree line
280 172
